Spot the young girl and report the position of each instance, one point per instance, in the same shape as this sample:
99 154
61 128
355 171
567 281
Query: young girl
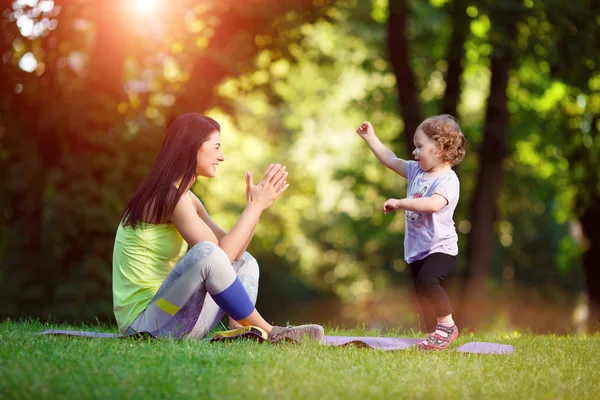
159 286
430 239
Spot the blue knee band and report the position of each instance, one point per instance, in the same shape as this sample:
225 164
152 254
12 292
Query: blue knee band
235 301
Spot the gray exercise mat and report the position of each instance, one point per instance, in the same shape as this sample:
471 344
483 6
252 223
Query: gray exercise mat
485 348
386 343
382 343
80 333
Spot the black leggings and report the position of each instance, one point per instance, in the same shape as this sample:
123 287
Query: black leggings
427 275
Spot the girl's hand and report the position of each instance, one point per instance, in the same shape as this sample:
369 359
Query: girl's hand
365 130
269 188
391 205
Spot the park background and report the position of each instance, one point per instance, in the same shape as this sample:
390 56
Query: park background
87 88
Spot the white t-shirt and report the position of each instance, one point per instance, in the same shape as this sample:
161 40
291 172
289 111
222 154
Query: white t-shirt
428 233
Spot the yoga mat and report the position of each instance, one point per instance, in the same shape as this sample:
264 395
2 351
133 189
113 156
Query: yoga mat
87 334
485 348
389 344
95 335
382 343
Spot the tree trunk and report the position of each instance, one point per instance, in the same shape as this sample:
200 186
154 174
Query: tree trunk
590 222
399 54
481 238
589 203
456 50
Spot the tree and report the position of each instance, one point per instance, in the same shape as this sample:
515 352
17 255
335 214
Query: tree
82 134
575 61
491 157
400 59
460 22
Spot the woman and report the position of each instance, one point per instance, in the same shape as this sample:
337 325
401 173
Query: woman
160 287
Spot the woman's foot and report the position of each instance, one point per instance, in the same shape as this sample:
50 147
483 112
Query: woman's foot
233 324
296 333
244 332
441 338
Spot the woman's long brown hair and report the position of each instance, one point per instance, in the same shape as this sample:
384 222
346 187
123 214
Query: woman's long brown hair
156 197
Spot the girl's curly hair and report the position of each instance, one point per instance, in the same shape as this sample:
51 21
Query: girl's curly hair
447 136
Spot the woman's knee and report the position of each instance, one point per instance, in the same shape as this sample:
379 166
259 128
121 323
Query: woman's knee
247 258
202 249
248 266
206 255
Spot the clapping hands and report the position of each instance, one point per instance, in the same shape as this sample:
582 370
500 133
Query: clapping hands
270 187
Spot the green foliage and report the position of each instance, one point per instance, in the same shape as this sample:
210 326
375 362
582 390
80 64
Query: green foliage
333 233
289 83
79 133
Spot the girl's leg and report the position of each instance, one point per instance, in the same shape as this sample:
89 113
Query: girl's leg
178 303
435 268
247 270
429 319
427 316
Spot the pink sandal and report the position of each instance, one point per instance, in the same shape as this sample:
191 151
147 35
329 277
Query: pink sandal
437 341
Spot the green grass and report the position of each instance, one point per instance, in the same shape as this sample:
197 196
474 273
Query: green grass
41 367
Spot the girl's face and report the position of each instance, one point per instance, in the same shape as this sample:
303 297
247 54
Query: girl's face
426 153
209 156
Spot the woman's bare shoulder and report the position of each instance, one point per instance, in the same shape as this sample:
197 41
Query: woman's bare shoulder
195 201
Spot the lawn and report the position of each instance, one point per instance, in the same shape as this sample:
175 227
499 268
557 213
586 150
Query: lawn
42 367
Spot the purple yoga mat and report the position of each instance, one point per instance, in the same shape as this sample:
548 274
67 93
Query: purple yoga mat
79 333
485 348
387 343
382 343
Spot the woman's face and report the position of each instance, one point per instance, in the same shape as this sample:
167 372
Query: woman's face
209 156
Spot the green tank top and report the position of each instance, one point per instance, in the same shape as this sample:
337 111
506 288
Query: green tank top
142 259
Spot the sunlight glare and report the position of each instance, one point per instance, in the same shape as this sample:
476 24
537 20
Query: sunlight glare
145 6
28 63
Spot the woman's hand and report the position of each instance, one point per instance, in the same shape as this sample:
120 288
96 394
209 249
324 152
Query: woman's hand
269 188
249 186
391 205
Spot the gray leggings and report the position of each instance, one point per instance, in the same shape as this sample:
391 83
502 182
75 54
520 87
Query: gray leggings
181 307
